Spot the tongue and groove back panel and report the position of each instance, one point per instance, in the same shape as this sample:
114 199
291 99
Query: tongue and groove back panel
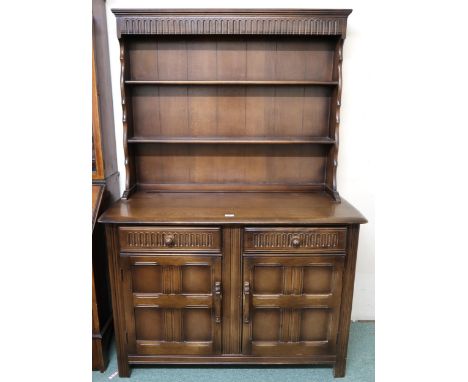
231 112
228 58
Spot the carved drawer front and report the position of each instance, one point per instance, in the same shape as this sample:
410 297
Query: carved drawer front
295 239
153 239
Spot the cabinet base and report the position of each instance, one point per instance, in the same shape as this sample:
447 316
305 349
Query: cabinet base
230 360
135 360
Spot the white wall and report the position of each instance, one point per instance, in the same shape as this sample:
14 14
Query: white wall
355 166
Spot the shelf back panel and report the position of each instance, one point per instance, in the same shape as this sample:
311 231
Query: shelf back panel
230 58
239 111
234 164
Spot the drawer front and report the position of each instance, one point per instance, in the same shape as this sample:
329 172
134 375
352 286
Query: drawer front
154 239
295 239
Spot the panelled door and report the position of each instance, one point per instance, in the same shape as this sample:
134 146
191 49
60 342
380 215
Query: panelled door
172 304
291 304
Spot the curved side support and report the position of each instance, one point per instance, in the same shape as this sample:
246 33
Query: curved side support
331 184
129 186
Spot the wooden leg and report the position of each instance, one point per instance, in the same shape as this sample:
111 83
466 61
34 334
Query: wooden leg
124 369
340 368
346 302
117 303
99 356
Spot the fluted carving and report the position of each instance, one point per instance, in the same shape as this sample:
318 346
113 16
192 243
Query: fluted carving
239 25
146 239
310 240
284 240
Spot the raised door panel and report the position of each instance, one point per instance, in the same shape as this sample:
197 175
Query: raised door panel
172 304
291 304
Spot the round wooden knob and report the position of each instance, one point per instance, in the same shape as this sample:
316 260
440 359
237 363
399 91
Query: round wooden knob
169 240
296 242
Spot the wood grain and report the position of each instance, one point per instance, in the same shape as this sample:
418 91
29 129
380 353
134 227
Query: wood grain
347 301
199 111
231 244
247 207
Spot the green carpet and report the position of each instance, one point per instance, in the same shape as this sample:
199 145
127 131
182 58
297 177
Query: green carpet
360 367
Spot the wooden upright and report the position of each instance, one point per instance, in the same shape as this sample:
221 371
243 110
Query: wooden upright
231 243
105 187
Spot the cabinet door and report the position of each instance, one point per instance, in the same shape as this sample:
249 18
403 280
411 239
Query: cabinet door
172 304
291 304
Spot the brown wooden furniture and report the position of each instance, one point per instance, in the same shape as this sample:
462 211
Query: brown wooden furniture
105 188
231 243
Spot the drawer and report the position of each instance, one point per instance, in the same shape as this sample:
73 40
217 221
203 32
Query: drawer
155 239
295 239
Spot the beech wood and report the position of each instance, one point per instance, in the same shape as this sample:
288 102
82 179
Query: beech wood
231 244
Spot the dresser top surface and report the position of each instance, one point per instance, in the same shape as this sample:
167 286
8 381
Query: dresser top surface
232 11
231 208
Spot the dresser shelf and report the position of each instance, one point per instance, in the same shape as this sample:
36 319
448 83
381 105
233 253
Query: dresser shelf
236 83
236 140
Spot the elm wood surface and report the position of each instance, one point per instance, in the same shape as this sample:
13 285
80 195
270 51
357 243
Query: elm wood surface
231 243
247 208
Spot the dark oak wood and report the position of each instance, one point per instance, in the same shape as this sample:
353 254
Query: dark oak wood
231 140
238 82
233 208
231 244
172 304
267 239
347 301
176 239
118 306
291 304
231 360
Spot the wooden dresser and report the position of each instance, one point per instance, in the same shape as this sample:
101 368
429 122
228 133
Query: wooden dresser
231 244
